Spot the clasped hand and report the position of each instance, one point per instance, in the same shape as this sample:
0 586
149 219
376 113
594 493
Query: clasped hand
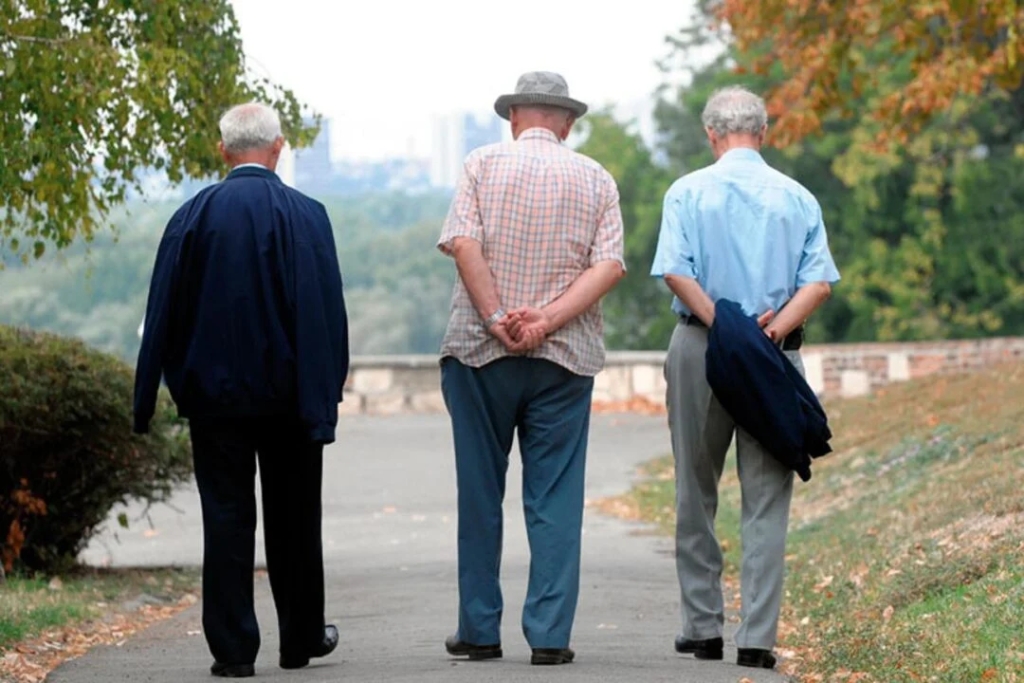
522 329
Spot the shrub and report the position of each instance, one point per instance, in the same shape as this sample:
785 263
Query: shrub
67 452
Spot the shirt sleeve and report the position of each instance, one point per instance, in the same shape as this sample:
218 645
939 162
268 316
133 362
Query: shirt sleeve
608 240
674 255
816 264
464 218
155 328
321 331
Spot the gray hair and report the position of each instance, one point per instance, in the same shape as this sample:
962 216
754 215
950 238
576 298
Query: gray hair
735 110
249 126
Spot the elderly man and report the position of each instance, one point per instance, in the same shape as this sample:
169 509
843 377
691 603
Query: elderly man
536 233
247 323
739 231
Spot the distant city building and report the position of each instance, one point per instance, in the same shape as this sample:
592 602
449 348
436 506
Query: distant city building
313 171
455 136
286 166
312 165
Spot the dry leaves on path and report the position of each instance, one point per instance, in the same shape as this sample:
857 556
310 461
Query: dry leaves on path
32 660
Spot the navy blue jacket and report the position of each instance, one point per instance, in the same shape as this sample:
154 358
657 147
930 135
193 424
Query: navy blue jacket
763 391
246 316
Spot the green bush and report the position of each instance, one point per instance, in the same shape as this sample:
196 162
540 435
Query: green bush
67 452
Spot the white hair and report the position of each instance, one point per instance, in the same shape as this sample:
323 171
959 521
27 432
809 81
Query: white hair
735 110
248 127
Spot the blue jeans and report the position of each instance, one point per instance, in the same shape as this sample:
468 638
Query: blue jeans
550 408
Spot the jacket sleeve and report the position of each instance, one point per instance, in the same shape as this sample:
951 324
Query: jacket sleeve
321 331
149 366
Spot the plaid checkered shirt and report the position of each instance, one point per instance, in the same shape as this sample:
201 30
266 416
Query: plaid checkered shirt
544 214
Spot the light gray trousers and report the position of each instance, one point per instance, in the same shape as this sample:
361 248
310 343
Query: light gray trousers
701 434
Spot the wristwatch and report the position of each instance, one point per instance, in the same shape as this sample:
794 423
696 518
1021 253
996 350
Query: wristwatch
494 317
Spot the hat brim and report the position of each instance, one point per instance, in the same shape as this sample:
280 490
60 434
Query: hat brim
503 104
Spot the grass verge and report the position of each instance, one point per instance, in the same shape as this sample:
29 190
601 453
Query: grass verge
46 621
906 549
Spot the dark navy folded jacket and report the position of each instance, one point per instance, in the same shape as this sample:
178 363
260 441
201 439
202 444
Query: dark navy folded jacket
763 391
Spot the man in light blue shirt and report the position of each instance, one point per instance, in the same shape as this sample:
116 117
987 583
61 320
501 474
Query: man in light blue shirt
737 230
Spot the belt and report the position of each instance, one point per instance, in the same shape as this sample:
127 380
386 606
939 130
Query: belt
793 341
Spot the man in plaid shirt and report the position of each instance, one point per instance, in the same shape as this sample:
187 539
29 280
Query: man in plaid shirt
536 233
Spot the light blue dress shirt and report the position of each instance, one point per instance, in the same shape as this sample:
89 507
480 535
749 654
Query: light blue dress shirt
744 232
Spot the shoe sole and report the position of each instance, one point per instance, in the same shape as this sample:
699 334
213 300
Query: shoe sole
702 653
548 660
710 656
759 664
478 656
234 672
293 663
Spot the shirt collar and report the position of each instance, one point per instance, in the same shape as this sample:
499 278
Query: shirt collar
742 154
251 170
539 134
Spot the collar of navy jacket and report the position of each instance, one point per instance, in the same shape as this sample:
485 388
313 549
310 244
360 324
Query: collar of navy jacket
763 391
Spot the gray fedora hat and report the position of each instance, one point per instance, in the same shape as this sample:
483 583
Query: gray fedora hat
540 87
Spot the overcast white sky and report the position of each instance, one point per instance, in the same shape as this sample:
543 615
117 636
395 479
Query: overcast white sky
382 68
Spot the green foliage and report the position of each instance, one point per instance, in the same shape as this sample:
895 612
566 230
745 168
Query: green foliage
67 454
402 292
927 235
397 285
94 93
30 606
637 311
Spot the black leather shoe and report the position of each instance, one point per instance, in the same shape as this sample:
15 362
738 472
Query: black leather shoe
321 649
232 670
458 648
547 656
759 659
701 649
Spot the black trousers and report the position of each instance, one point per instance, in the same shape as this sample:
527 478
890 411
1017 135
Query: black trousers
291 473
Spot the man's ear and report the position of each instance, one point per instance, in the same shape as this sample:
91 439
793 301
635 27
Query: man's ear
570 121
278 144
224 153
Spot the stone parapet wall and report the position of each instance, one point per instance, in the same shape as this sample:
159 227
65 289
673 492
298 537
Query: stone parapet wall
397 384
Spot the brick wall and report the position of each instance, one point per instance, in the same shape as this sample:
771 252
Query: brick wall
857 369
394 384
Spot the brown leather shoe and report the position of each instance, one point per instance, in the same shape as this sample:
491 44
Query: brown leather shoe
758 659
701 649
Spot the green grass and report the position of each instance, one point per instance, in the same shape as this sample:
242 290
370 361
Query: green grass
30 606
905 556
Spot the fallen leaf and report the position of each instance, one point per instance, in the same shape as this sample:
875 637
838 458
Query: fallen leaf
823 584
887 613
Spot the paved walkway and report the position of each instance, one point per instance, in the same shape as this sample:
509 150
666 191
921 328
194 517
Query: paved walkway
389 535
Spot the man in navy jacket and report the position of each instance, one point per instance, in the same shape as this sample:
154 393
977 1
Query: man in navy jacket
737 230
246 323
